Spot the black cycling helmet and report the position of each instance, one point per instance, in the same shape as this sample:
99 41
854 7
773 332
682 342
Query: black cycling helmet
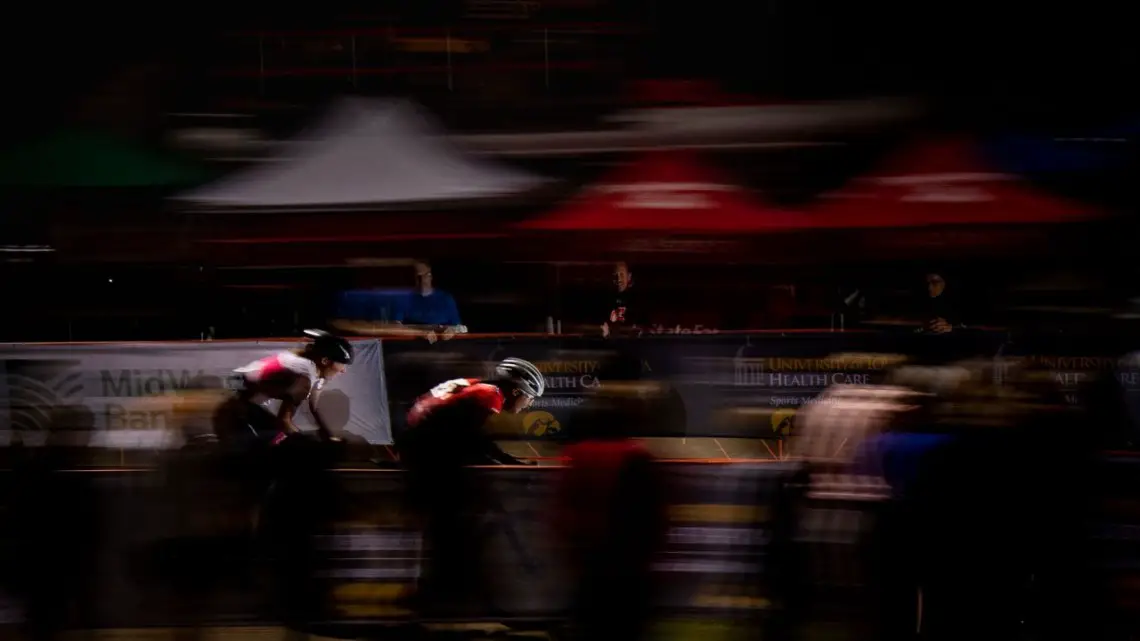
334 348
523 374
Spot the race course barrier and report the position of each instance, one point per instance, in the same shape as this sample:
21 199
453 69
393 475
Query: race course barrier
126 395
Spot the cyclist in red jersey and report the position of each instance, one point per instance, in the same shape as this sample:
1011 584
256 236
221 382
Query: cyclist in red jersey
445 426
444 436
289 377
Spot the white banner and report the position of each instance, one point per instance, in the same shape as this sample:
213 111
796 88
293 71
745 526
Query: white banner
124 395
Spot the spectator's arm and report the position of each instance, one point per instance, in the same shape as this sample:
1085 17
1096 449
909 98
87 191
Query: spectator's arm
400 311
453 323
452 314
353 319
605 308
373 328
489 449
473 415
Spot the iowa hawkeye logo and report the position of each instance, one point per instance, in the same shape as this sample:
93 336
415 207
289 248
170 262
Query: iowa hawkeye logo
539 424
783 421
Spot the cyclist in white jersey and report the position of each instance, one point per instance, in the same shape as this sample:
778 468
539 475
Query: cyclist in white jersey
289 377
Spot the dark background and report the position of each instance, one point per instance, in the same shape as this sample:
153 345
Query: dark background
1048 70
1065 64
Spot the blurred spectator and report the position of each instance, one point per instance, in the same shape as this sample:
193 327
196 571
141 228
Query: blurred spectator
425 312
941 311
623 309
833 430
427 305
610 513
837 543
980 502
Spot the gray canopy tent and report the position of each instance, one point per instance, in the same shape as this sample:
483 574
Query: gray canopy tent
366 154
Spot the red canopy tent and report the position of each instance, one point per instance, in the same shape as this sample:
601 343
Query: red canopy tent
936 183
666 192
939 196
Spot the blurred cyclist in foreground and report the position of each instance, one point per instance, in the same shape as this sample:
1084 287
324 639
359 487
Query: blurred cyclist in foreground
610 507
444 436
296 493
241 493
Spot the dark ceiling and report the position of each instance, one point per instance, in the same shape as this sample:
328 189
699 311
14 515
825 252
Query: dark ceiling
985 63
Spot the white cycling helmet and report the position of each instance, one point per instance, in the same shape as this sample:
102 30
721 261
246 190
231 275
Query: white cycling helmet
524 374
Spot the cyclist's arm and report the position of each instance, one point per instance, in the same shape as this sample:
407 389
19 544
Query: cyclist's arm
322 428
471 414
488 448
495 453
296 395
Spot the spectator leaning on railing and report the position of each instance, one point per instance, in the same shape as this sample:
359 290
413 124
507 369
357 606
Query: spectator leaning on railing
622 311
940 309
424 312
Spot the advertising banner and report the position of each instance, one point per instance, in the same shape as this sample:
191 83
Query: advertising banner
714 385
127 395
1101 372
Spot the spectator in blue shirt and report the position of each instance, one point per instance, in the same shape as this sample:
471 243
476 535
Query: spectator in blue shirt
424 312
430 311
427 305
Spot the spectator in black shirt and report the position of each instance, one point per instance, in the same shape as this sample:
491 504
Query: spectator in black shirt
941 314
623 312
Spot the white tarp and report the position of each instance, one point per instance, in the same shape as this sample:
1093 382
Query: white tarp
366 153
127 392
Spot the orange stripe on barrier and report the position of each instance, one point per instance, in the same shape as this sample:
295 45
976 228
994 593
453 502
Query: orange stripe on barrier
380 470
271 340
